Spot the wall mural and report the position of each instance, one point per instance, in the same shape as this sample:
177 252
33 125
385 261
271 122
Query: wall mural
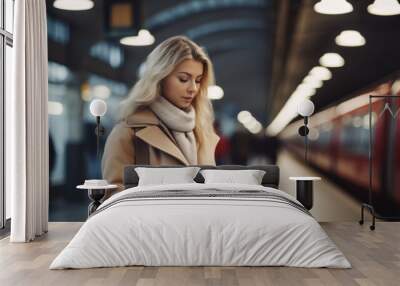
123 53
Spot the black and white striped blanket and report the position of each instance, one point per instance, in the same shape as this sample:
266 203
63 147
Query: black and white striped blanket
205 194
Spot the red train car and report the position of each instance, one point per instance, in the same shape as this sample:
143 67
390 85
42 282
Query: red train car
339 143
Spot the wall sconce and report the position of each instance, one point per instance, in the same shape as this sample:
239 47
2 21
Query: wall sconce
305 109
98 108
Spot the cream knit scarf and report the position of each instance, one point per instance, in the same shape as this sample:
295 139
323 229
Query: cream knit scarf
181 123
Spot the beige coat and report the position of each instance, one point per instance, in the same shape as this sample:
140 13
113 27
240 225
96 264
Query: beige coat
163 150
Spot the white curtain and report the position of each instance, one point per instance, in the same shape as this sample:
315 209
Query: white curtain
27 124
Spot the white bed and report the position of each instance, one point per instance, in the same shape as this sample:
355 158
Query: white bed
250 225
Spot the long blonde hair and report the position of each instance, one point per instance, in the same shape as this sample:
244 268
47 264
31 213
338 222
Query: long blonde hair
159 64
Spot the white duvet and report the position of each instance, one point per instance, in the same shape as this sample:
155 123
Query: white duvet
200 231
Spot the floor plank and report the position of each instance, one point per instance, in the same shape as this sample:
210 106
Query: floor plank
375 257
326 191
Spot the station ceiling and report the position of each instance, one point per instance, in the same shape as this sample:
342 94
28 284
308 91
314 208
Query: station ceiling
306 35
237 35
261 49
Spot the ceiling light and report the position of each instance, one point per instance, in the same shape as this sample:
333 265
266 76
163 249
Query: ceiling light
144 38
54 108
333 7
305 89
396 87
255 128
384 8
249 122
101 91
350 38
244 116
312 81
331 60
303 93
285 115
252 124
73 5
215 92
321 73
141 70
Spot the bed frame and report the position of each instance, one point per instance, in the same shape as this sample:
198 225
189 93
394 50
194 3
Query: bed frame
270 179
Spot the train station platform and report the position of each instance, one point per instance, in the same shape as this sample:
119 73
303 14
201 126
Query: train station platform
331 203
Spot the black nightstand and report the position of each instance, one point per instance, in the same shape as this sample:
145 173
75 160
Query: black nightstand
95 193
304 190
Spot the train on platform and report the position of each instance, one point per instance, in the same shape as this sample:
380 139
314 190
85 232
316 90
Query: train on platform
339 145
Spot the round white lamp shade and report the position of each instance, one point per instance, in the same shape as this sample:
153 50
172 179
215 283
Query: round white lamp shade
98 107
73 5
305 108
384 8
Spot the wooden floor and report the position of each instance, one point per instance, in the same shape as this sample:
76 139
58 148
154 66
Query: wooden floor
331 202
374 255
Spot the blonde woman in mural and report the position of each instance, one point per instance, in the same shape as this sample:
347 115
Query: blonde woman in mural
167 118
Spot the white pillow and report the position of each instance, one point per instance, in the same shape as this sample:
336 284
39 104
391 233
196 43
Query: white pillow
248 177
163 176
